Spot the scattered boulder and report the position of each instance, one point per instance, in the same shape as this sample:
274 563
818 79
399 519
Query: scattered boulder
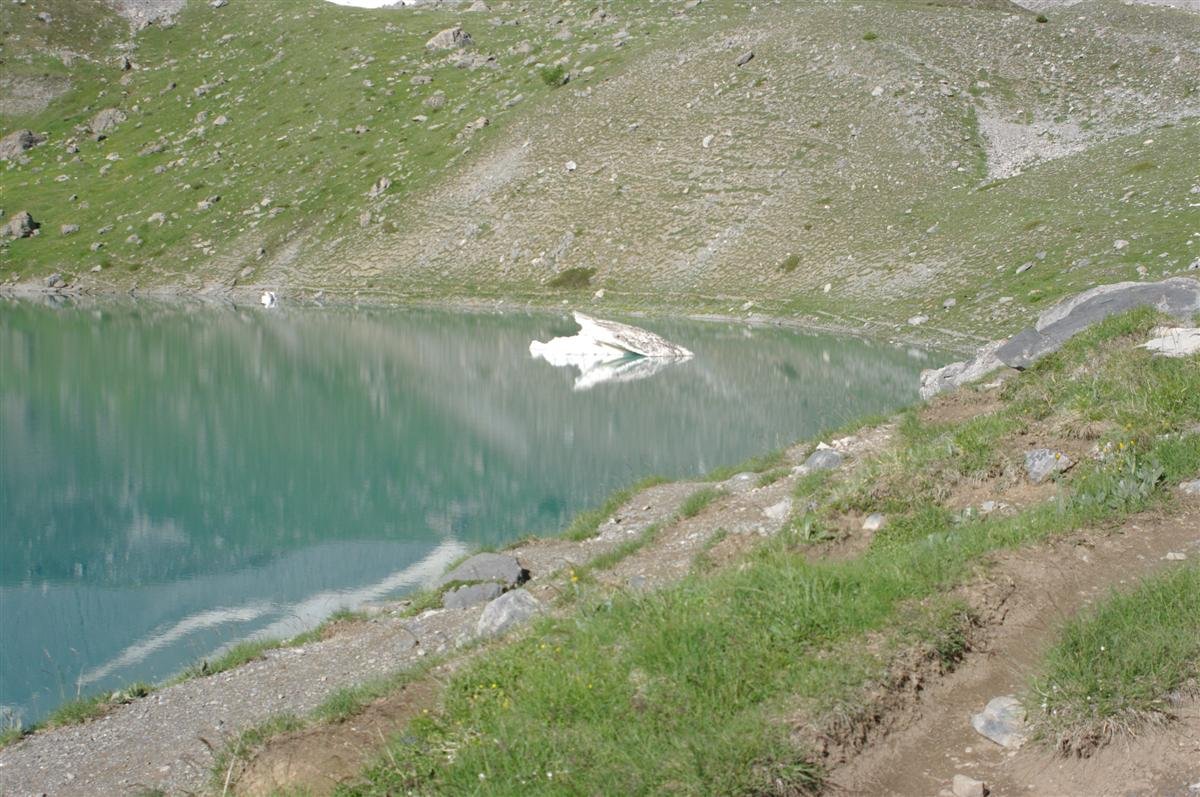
496 567
451 38
105 122
874 522
744 58
1002 721
474 127
479 5
1190 488
824 459
380 187
436 101
21 225
471 595
420 80
1178 297
962 786
55 280
1042 463
509 610
1174 341
15 144
917 320
159 218
68 229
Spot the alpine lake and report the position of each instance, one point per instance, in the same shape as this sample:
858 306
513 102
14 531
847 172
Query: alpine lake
176 477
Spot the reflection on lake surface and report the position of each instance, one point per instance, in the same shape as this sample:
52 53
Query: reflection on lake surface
173 478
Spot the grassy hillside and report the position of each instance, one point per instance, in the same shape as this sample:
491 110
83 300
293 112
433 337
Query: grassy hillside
873 160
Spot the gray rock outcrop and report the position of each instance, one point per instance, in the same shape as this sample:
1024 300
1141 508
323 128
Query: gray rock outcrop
15 144
21 225
450 38
1178 297
506 612
106 122
495 567
954 375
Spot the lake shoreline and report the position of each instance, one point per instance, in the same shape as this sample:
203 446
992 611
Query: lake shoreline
951 340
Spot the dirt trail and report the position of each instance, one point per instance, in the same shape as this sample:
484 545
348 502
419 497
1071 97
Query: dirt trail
1048 584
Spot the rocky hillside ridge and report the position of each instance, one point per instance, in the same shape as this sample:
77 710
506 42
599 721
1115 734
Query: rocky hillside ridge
953 165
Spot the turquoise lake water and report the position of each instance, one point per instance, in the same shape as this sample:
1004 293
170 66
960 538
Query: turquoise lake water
177 477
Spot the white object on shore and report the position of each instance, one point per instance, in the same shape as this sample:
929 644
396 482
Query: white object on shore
608 351
1174 341
268 299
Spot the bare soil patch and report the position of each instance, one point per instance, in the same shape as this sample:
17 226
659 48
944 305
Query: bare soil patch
932 740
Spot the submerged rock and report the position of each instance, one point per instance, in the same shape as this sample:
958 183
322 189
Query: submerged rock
495 567
506 612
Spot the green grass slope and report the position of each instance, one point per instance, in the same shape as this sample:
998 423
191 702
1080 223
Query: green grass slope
873 160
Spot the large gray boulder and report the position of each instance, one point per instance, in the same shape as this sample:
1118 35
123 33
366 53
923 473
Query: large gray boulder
450 38
495 567
13 146
955 375
1177 296
506 612
21 225
471 595
105 122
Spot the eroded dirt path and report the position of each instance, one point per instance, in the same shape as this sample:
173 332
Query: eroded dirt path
1043 586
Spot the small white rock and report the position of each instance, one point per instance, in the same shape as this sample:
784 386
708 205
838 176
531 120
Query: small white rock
963 786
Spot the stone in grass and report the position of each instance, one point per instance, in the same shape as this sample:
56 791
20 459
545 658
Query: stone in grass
471 595
21 225
824 459
1190 488
1042 463
506 612
962 786
874 522
495 567
1002 721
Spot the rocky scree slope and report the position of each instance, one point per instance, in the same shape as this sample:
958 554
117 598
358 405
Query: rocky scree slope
953 165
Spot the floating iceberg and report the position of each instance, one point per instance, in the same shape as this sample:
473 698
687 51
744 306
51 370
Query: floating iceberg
608 351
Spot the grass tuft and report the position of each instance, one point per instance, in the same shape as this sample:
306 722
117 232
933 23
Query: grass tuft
695 503
1115 669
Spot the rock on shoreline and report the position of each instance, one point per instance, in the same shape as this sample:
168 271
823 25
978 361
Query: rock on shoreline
1178 297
